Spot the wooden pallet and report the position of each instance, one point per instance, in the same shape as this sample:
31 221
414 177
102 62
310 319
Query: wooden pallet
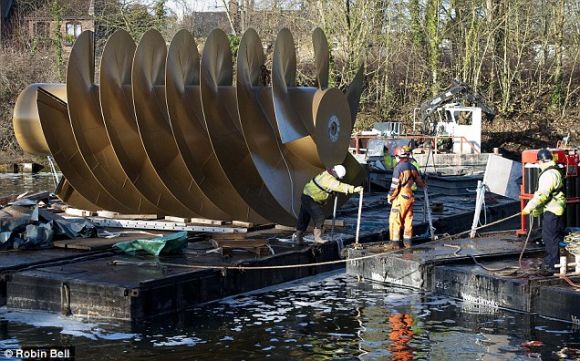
117 215
231 230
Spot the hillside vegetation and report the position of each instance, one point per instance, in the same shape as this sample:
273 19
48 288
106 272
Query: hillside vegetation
521 55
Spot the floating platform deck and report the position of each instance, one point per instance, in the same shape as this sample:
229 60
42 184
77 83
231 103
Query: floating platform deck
484 271
135 288
13 261
87 278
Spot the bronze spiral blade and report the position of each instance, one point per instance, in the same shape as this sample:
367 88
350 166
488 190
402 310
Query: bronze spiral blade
220 110
26 122
117 107
353 94
53 115
281 171
90 133
314 123
321 57
71 196
189 130
156 136
289 120
28 131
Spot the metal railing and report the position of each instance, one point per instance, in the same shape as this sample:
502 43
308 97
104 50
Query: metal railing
359 147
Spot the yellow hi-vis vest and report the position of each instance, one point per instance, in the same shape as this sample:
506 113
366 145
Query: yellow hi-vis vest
389 161
416 165
549 196
320 187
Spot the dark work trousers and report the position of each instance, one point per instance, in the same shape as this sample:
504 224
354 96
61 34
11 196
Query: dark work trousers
309 209
552 232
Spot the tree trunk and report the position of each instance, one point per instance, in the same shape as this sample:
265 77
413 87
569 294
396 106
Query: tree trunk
434 41
490 18
556 99
56 13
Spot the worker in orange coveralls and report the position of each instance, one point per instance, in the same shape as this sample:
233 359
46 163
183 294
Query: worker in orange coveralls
400 335
401 198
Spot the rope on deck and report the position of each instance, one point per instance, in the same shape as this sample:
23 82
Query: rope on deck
480 227
573 243
513 269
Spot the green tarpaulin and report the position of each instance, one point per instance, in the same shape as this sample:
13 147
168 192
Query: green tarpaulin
170 244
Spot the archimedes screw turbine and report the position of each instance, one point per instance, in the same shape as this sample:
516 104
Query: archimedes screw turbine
165 130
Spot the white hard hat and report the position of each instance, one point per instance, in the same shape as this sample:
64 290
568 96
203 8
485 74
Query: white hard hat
339 171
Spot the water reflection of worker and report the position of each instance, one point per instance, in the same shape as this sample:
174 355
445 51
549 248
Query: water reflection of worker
401 197
400 335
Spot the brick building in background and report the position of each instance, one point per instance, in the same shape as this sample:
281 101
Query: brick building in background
35 21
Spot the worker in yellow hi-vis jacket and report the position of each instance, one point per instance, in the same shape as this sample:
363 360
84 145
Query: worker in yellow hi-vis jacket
316 192
550 201
388 159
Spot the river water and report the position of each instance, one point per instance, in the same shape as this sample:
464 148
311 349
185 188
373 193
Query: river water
15 183
328 317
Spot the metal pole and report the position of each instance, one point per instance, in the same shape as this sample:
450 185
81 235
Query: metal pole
428 207
425 205
478 203
426 200
360 202
333 217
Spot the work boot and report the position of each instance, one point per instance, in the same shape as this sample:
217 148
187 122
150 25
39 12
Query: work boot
298 237
318 235
393 246
546 272
408 242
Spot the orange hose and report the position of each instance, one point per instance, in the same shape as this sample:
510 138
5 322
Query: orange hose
569 281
